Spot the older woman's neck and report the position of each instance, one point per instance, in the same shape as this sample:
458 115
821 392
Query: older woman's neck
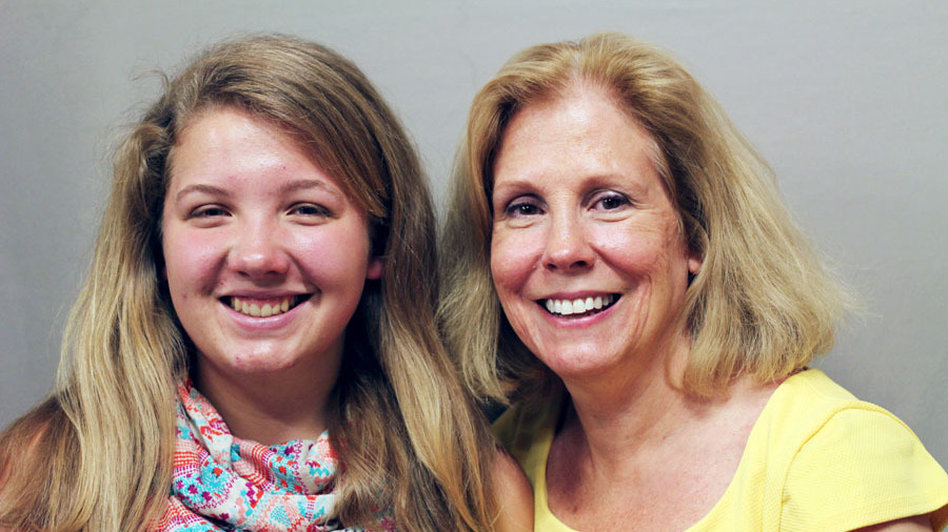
636 405
612 423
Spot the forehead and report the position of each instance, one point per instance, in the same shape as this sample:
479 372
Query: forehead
582 120
217 128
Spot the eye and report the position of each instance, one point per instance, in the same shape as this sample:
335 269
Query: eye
309 209
523 206
208 212
610 201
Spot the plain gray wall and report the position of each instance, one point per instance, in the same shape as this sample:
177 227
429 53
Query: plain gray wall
848 101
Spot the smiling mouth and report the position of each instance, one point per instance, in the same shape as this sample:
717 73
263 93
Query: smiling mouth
263 308
579 307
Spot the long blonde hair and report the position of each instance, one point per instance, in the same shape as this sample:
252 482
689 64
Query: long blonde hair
403 426
762 304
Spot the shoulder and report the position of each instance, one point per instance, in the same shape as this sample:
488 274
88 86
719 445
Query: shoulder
809 407
513 494
848 463
22 441
25 468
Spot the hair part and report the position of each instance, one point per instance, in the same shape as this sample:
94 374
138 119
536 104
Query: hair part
762 304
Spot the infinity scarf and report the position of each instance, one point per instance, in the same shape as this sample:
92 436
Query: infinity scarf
221 482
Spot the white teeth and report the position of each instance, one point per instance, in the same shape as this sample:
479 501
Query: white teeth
267 309
569 307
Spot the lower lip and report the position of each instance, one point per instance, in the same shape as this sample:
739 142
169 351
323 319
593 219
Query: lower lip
256 323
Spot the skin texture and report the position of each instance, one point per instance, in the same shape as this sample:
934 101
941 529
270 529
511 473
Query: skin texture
580 211
248 214
917 523
514 495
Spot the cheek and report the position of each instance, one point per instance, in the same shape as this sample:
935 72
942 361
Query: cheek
512 258
190 260
642 249
333 257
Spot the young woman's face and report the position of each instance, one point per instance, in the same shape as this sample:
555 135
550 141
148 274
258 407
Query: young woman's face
586 253
265 256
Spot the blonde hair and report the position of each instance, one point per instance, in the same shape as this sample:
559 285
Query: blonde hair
762 303
405 430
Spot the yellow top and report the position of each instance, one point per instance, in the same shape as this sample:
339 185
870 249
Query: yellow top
817 458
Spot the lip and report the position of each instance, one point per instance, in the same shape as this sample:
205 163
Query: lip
588 297
257 323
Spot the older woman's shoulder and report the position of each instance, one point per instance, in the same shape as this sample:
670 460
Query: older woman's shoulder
853 459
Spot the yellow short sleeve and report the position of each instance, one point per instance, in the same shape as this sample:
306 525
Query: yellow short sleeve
862 467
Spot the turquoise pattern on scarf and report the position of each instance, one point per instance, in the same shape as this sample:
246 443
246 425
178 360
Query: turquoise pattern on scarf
221 482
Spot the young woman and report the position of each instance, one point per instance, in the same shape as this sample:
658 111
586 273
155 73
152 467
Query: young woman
255 336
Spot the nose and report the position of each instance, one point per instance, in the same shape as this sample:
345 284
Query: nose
258 252
567 245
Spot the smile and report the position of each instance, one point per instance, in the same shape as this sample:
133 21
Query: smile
263 308
578 307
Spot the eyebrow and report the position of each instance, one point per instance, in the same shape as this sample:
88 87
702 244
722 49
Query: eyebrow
293 186
305 184
206 189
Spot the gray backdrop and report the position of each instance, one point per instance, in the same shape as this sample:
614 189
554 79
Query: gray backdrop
847 101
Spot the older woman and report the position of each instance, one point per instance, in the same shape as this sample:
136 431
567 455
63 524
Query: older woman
657 312
255 346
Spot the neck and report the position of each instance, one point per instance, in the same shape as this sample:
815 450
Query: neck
270 408
620 412
613 424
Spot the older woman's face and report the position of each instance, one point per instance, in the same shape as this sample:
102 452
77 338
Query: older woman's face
586 254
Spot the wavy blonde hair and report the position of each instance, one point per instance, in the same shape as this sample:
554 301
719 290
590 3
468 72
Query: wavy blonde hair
402 424
762 304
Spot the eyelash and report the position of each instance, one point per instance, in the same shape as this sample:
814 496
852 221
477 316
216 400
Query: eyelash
528 207
213 211
319 210
207 212
612 196
516 208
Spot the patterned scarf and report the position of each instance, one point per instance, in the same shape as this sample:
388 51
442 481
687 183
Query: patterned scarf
221 482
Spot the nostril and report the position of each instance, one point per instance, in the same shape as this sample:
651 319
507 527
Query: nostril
567 248
260 260
567 262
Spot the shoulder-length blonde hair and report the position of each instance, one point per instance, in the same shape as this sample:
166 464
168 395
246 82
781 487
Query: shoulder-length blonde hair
762 303
406 433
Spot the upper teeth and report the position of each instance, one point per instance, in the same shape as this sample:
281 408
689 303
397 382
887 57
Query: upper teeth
267 309
578 306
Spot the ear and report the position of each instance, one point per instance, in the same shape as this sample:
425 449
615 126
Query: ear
374 271
694 263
